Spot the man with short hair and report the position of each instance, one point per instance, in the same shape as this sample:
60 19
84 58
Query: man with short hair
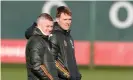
63 45
40 62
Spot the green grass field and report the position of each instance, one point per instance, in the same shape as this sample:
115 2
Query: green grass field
18 72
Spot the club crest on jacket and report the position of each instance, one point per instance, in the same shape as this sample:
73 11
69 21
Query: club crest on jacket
65 43
72 43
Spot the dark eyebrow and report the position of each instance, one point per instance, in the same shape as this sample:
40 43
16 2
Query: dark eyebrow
67 19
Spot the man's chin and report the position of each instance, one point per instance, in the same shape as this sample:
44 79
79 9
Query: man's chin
47 34
66 28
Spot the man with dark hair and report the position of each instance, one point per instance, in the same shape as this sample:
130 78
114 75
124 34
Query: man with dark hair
63 45
40 61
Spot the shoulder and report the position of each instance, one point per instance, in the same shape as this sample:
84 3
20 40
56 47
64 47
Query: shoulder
35 41
53 38
56 32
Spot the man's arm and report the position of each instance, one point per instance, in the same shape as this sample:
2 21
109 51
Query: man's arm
78 77
62 71
39 69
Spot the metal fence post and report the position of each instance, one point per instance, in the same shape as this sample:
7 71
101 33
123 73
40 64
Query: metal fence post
92 31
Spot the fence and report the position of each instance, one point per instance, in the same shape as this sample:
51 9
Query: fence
102 30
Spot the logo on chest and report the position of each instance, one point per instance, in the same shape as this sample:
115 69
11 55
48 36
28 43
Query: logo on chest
65 43
72 43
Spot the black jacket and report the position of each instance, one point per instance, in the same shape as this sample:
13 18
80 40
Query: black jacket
39 59
63 50
62 43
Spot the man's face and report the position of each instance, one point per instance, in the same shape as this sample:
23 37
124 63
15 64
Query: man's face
47 26
64 21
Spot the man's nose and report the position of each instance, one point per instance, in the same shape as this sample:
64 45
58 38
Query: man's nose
68 22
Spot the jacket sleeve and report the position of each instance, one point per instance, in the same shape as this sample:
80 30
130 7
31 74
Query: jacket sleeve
78 77
62 71
39 69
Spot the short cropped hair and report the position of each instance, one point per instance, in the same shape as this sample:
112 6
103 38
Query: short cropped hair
45 16
63 9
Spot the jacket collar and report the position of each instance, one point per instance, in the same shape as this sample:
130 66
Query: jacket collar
37 31
58 28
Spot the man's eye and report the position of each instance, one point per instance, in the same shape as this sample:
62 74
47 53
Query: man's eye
51 26
67 19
